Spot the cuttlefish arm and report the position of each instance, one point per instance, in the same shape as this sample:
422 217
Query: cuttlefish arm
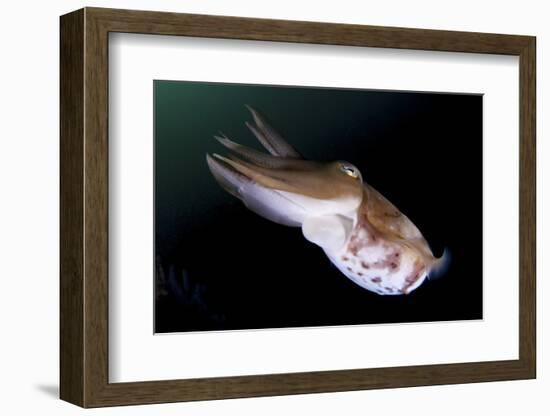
270 138
251 181
351 221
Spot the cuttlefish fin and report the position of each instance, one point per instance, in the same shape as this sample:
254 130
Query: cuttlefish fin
329 232
269 138
263 201
440 265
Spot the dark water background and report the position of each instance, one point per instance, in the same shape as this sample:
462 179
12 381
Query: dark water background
219 266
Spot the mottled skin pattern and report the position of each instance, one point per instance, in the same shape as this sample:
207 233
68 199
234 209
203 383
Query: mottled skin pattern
385 252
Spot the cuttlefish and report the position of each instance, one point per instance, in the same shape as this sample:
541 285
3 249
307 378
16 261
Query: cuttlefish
362 233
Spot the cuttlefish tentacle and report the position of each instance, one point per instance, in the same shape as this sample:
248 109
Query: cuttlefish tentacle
363 234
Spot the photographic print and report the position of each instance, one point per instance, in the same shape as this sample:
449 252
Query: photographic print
321 221
283 206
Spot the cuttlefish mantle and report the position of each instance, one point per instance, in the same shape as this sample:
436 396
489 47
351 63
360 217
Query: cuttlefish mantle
362 233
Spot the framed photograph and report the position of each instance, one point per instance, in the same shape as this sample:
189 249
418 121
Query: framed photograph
255 207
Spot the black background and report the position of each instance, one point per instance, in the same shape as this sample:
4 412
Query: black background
219 266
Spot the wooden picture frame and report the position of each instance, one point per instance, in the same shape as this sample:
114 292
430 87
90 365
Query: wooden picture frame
84 207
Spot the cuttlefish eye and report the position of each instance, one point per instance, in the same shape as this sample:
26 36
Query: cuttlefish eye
349 170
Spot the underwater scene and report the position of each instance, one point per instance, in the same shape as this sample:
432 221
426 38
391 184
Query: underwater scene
283 206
